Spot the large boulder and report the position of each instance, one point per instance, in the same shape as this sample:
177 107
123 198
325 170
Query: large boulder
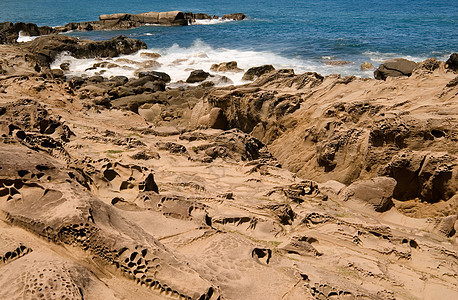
377 192
452 62
395 68
197 76
255 72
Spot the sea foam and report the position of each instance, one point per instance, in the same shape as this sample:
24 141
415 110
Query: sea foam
179 61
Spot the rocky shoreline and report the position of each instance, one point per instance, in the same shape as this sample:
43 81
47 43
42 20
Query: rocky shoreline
9 32
292 186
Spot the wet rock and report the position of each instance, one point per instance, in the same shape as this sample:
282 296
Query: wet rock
254 72
197 76
57 73
395 68
65 66
377 192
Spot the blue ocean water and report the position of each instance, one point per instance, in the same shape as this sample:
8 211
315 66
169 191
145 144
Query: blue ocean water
304 33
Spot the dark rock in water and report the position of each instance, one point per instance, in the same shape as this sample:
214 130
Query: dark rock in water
255 72
197 76
158 75
57 73
395 68
46 48
452 62
236 16
65 66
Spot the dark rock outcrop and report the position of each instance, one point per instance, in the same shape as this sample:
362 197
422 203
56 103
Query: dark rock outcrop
9 32
236 16
452 62
157 75
197 76
46 48
395 68
255 72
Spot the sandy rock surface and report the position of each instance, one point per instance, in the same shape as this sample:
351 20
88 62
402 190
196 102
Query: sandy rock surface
290 187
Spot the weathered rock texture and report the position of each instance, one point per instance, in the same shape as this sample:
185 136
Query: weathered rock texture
290 187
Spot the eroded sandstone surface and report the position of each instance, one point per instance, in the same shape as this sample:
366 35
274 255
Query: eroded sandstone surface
294 186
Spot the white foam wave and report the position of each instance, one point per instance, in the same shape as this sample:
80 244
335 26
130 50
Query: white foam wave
179 61
25 38
380 57
211 21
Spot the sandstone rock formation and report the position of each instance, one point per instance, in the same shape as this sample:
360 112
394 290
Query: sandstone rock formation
293 186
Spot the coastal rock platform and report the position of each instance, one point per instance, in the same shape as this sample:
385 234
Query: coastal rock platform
292 186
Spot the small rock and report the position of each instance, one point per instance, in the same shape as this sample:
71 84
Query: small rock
197 76
65 66
366 66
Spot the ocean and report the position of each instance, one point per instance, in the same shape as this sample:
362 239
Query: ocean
303 35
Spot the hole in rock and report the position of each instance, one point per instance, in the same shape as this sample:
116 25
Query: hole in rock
22 173
110 174
437 133
413 244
